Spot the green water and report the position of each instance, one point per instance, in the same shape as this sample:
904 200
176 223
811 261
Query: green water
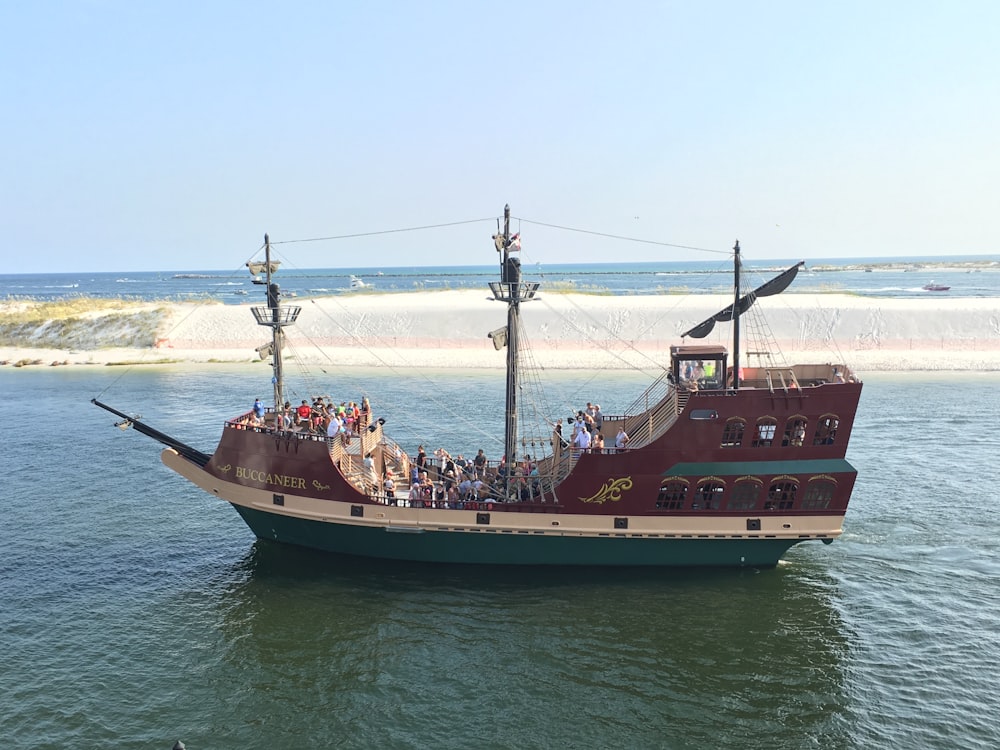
137 610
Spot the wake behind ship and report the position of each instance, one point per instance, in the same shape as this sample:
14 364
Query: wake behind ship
718 463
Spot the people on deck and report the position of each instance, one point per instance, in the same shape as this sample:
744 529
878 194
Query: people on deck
365 415
621 439
303 413
415 497
558 441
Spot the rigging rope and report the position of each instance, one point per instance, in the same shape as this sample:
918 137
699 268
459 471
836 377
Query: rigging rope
365 343
147 353
621 237
383 231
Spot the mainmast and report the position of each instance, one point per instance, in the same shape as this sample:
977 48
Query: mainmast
274 317
513 291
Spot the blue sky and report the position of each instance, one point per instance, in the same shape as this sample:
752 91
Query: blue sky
162 136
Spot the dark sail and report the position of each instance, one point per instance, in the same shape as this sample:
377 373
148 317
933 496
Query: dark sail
775 286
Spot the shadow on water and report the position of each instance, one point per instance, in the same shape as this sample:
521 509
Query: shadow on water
642 652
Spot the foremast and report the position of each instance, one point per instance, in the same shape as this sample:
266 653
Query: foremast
513 291
274 316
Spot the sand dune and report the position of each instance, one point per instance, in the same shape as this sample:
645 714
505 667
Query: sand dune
449 329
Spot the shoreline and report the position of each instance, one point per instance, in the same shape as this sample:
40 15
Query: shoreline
449 329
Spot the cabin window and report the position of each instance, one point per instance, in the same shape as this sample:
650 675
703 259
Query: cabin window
745 495
795 431
732 435
708 496
766 427
781 495
699 374
819 494
704 414
826 430
672 495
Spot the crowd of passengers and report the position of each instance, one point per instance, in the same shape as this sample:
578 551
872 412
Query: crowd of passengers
441 481
587 433
438 481
321 417
444 481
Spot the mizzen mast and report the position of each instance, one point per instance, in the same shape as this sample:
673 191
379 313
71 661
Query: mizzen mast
736 316
513 291
274 317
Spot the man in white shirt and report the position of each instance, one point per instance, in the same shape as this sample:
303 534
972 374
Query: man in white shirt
621 439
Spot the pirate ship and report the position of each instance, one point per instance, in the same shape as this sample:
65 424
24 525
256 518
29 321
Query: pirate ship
718 463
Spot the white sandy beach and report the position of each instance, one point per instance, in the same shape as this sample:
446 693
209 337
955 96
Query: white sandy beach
449 329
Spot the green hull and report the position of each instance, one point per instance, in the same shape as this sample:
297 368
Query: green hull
487 548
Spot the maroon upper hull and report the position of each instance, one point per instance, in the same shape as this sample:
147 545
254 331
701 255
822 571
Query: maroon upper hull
690 454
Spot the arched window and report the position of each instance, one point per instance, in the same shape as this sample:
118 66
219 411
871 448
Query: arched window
673 493
732 434
795 431
819 494
826 430
766 428
745 494
708 496
781 494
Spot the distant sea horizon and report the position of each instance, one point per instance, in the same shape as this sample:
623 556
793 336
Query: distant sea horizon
965 275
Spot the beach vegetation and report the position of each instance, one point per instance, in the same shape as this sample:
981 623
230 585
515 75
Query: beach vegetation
676 290
133 362
572 287
85 323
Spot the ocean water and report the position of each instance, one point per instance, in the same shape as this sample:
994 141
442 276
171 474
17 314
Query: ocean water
137 610
967 276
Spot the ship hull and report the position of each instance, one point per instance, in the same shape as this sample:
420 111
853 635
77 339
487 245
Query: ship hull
489 536
483 548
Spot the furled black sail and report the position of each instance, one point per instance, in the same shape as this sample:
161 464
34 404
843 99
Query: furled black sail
775 286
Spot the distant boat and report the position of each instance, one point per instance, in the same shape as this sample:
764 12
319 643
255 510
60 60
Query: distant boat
357 283
240 291
932 287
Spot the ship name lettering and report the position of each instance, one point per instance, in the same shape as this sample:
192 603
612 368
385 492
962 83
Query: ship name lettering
281 480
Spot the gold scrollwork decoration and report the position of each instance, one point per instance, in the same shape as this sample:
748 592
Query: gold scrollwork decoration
320 487
224 469
611 491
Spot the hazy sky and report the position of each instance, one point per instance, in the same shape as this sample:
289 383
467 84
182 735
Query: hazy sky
172 135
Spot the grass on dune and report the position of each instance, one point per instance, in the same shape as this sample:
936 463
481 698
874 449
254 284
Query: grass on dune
79 323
